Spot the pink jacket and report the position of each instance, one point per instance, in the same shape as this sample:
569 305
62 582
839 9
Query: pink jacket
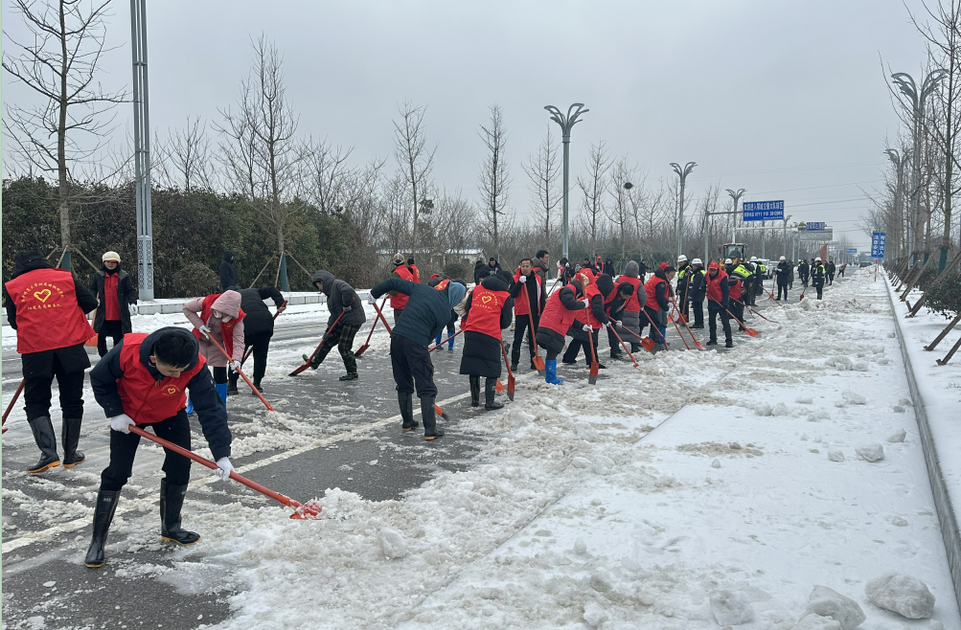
227 304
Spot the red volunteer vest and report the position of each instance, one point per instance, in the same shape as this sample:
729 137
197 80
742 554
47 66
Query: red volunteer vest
556 316
633 304
523 306
734 287
714 287
226 330
144 399
651 287
48 316
485 312
399 300
582 315
440 286
415 273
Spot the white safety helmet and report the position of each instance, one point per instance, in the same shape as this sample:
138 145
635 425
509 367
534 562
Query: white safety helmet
818 259
728 261
697 261
782 258
753 258
681 258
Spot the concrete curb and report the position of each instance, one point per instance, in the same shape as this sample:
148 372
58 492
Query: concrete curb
942 500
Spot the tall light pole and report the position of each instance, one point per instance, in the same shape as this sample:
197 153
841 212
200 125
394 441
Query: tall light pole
141 118
899 161
786 219
908 88
735 196
682 173
566 122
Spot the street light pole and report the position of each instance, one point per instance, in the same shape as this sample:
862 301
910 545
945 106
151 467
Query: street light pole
899 161
682 173
735 196
138 28
566 123
908 88
786 219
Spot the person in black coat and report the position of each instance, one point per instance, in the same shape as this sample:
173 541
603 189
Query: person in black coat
342 303
696 288
258 329
228 275
482 346
782 276
50 342
609 267
481 271
117 304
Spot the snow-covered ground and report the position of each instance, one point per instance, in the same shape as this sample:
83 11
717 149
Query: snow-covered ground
726 476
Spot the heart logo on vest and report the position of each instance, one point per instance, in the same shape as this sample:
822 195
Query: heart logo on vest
171 390
486 298
44 295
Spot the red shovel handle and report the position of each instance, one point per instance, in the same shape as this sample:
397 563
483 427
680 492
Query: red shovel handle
256 391
302 511
381 316
13 402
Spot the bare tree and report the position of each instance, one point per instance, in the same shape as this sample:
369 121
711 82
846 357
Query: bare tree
184 160
327 177
259 150
593 186
620 213
414 160
543 168
70 124
494 178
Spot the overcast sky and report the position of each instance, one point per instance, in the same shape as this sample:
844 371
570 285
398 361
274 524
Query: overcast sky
787 99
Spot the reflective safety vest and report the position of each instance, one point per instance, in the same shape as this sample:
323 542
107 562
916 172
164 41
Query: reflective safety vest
48 316
484 315
144 399
399 300
742 271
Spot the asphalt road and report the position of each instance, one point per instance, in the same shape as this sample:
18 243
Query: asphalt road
325 434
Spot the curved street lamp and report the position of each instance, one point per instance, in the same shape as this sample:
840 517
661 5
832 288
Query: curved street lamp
735 196
682 173
566 122
899 160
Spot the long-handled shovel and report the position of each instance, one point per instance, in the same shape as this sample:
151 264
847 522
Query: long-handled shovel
256 391
624 345
595 366
251 348
382 318
654 327
762 316
697 344
302 511
538 359
510 374
446 340
12 403
749 331
317 349
802 293
646 342
366 345
678 328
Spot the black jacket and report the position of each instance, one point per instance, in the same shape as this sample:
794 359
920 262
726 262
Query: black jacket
37 364
228 275
782 274
126 294
340 296
696 286
258 318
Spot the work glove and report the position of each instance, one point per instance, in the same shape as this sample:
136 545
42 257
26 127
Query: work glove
282 307
371 299
586 328
224 468
235 365
121 423
346 309
133 309
522 279
587 302
205 331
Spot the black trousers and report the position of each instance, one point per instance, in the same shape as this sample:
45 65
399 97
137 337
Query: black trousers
737 309
830 278
570 355
260 342
781 288
112 328
820 290
522 323
123 449
37 393
725 323
412 366
697 307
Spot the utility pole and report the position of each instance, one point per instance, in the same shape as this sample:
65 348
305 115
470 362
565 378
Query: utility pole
141 135
682 173
566 123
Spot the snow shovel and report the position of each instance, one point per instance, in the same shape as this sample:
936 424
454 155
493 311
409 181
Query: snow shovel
382 318
317 349
749 331
251 348
510 375
624 345
762 316
256 391
538 359
646 342
802 293
595 366
697 344
302 511
446 340
366 345
12 403
653 328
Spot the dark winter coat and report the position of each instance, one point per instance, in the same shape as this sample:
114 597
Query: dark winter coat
37 364
481 271
228 275
341 298
803 270
818 272
210 409
126 294
482 353
696 286
428 310
609 267
259 319
782 274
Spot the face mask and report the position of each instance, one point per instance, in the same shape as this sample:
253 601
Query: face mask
226 318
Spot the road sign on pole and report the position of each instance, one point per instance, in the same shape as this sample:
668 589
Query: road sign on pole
877 244
851 250
763 210
816 226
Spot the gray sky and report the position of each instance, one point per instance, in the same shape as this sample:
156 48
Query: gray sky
785 99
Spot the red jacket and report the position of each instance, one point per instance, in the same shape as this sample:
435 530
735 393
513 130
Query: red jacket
144 399
111 304
399 300
48 316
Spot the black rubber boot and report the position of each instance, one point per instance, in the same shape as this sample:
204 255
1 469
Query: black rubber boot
351 364
232 387
46 439
431 432
171 502
474 391
490 389
70 436
406 402
102 516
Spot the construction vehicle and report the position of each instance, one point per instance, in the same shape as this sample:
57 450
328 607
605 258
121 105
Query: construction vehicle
734 251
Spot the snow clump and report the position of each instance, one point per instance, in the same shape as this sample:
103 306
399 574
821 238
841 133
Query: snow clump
730 608
840 363
392 543
817 622
900 593
829 603
898 437
594 615
853 398
836 456
870 452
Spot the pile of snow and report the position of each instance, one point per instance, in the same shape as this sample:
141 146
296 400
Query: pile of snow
827 602
903 594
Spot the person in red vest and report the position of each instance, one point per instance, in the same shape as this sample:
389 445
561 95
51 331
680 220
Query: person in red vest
141 382
718 300
735 286
558 316
118 301
527 308
486 312
588 323
614 305
47 308
631 315
658 288
221 318
398 300
413 270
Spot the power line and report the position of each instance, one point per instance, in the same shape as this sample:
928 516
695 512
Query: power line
788 170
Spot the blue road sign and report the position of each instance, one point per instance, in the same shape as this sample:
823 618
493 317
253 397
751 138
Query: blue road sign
763 210
851 250
816 226
877 244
